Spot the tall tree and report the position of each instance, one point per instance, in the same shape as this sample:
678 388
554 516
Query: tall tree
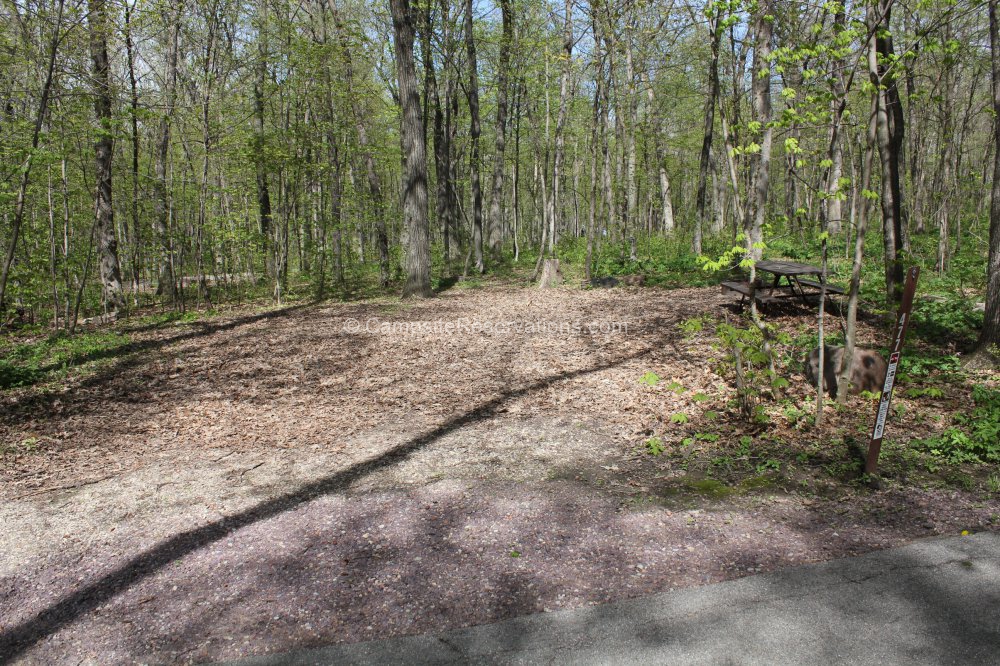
889 135
416 226
371 171
107 241
442 169
701 216
264 213
503 78
753 224
472 93
560 138
25 175
135 237
833 209
595 136
166 284
666 205
989 338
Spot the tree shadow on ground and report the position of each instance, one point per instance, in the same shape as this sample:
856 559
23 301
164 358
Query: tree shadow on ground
130 353
446 283
19 638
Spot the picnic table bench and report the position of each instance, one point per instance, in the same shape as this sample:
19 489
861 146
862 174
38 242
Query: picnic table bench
797 284
830 288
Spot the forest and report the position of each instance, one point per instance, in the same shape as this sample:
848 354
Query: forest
330 321
337 148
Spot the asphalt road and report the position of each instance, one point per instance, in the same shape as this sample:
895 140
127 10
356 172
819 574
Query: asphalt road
936 601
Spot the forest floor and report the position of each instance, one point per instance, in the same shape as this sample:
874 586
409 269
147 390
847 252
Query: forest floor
261 481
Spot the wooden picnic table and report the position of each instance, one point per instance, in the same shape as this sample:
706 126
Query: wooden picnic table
791 281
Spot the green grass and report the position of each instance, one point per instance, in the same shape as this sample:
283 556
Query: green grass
50 358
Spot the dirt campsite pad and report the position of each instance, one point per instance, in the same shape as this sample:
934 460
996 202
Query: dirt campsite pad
329 473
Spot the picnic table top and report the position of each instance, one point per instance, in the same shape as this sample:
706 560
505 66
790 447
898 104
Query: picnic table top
788 268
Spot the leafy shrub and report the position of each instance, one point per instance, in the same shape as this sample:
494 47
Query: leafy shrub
922 365
975 437
13 375
28 363
952 318
665 260
745 353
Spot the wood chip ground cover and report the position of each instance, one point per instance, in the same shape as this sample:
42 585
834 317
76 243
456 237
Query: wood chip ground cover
339 472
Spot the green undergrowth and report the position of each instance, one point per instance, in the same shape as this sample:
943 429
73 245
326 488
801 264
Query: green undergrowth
29 362
704 448
973 436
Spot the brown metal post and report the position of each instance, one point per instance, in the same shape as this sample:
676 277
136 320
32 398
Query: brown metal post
902 320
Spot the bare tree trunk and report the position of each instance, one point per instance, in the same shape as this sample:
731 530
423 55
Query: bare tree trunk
989 337
265 214
64 191
166 283
107 243
551 275
208 76
833 211
719 210
942 191
595 137
850 335
503 77
917 193
472 94
371 172
416 228
834 195
541 186
706 144
666 206
753 223
136 236
632 198
889 132
336 213
451 129
442 170
515 180
52 249
560 138
606 157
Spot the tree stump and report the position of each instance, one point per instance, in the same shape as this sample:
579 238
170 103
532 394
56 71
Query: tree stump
551 275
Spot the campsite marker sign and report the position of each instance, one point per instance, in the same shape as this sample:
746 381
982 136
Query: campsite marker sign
902 320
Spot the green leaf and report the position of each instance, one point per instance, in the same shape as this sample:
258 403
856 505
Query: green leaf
650 379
